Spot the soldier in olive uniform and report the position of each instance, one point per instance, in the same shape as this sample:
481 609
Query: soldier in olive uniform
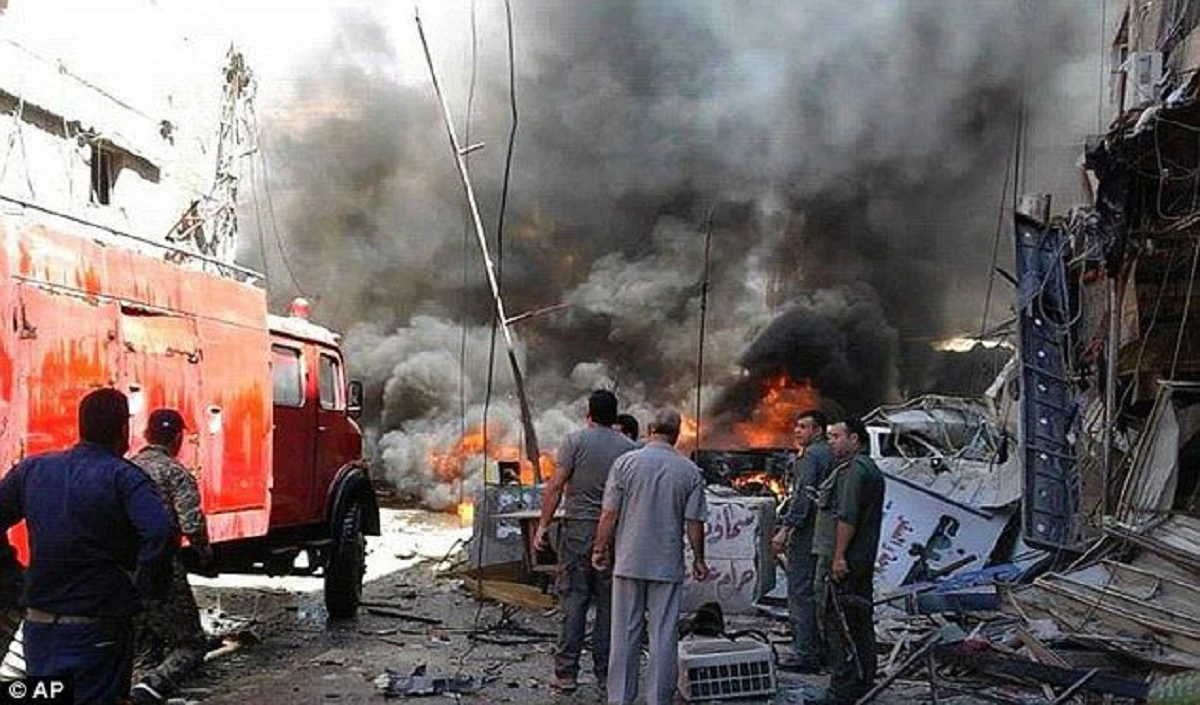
170 640
846 542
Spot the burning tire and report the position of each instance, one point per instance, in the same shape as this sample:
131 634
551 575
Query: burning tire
347 563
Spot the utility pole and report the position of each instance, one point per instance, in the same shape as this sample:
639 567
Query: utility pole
531 443
703 317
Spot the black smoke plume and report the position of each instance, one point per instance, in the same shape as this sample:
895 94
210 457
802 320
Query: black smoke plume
851 154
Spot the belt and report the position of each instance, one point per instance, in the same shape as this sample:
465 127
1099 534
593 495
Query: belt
33 614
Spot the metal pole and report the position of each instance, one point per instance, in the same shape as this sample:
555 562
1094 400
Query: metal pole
531 444
703 318
1110 391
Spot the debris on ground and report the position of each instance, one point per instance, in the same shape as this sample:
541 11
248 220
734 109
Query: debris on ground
392 684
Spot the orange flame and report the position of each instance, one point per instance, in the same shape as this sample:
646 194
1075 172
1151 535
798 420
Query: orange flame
449 464
466 513
775 485
770 424
687 434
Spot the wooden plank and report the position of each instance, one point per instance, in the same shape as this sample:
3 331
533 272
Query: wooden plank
1109 603
1111 632
1041 653
1153 604
515 594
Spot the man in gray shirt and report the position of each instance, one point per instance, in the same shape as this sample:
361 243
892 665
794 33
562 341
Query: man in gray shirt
580 474
653 495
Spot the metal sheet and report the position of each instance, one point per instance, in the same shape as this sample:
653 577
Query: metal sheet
161 369
236 472
949 532
66 348
1048 403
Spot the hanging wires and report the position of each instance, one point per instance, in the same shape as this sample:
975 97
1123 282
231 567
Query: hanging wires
258 222
462 353
466 261
508 159
266 178
1008 166
1187 304
1100 67
476 631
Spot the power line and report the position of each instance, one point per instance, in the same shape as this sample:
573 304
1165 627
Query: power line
987 301
508 159
1100 92
1187 305
266 179
462 350
466 259
262 236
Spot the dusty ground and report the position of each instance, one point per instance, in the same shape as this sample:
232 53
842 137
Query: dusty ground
289 653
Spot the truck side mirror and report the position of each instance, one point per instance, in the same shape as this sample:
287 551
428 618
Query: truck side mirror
355 404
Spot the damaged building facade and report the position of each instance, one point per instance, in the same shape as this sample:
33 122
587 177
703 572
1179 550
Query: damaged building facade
1108 295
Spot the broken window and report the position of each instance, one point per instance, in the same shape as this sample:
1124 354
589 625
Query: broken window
104 174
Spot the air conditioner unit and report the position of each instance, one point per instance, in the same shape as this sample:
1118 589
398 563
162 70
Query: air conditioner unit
1143 72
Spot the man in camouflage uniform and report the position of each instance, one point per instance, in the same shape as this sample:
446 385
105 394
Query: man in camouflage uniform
170 640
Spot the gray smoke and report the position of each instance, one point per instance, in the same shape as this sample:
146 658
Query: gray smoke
851 156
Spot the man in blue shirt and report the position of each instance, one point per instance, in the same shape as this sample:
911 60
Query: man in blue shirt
100 538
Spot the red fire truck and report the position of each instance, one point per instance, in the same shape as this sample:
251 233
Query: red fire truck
270 415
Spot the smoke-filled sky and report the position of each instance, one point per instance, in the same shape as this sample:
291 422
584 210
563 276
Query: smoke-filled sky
851 155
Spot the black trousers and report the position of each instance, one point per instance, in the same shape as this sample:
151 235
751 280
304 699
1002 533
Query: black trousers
851 677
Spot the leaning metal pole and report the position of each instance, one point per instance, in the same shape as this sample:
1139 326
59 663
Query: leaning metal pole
703 316
531 443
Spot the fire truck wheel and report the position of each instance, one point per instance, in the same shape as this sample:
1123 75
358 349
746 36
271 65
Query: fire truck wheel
347 562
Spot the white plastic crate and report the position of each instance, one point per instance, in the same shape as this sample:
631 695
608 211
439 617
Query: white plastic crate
714 669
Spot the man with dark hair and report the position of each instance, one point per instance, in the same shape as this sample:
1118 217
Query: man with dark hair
628 425
847 543
795 537
654 495
170 640
580 473
100 539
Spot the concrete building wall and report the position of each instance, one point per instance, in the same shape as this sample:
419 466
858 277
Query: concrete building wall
127 76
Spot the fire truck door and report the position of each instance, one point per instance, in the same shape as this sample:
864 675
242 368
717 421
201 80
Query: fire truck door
338 443
66 347
160 368
295 435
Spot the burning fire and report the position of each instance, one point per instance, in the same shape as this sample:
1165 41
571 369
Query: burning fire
466 512
770 424
687 434
774 484
449 465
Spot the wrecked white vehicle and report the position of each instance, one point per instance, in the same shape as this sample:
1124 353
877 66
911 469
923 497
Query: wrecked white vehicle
953 487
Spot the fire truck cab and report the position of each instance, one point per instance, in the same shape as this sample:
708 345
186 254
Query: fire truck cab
322 501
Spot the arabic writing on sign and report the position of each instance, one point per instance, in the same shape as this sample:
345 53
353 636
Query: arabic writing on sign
895 544
730 577
724 524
